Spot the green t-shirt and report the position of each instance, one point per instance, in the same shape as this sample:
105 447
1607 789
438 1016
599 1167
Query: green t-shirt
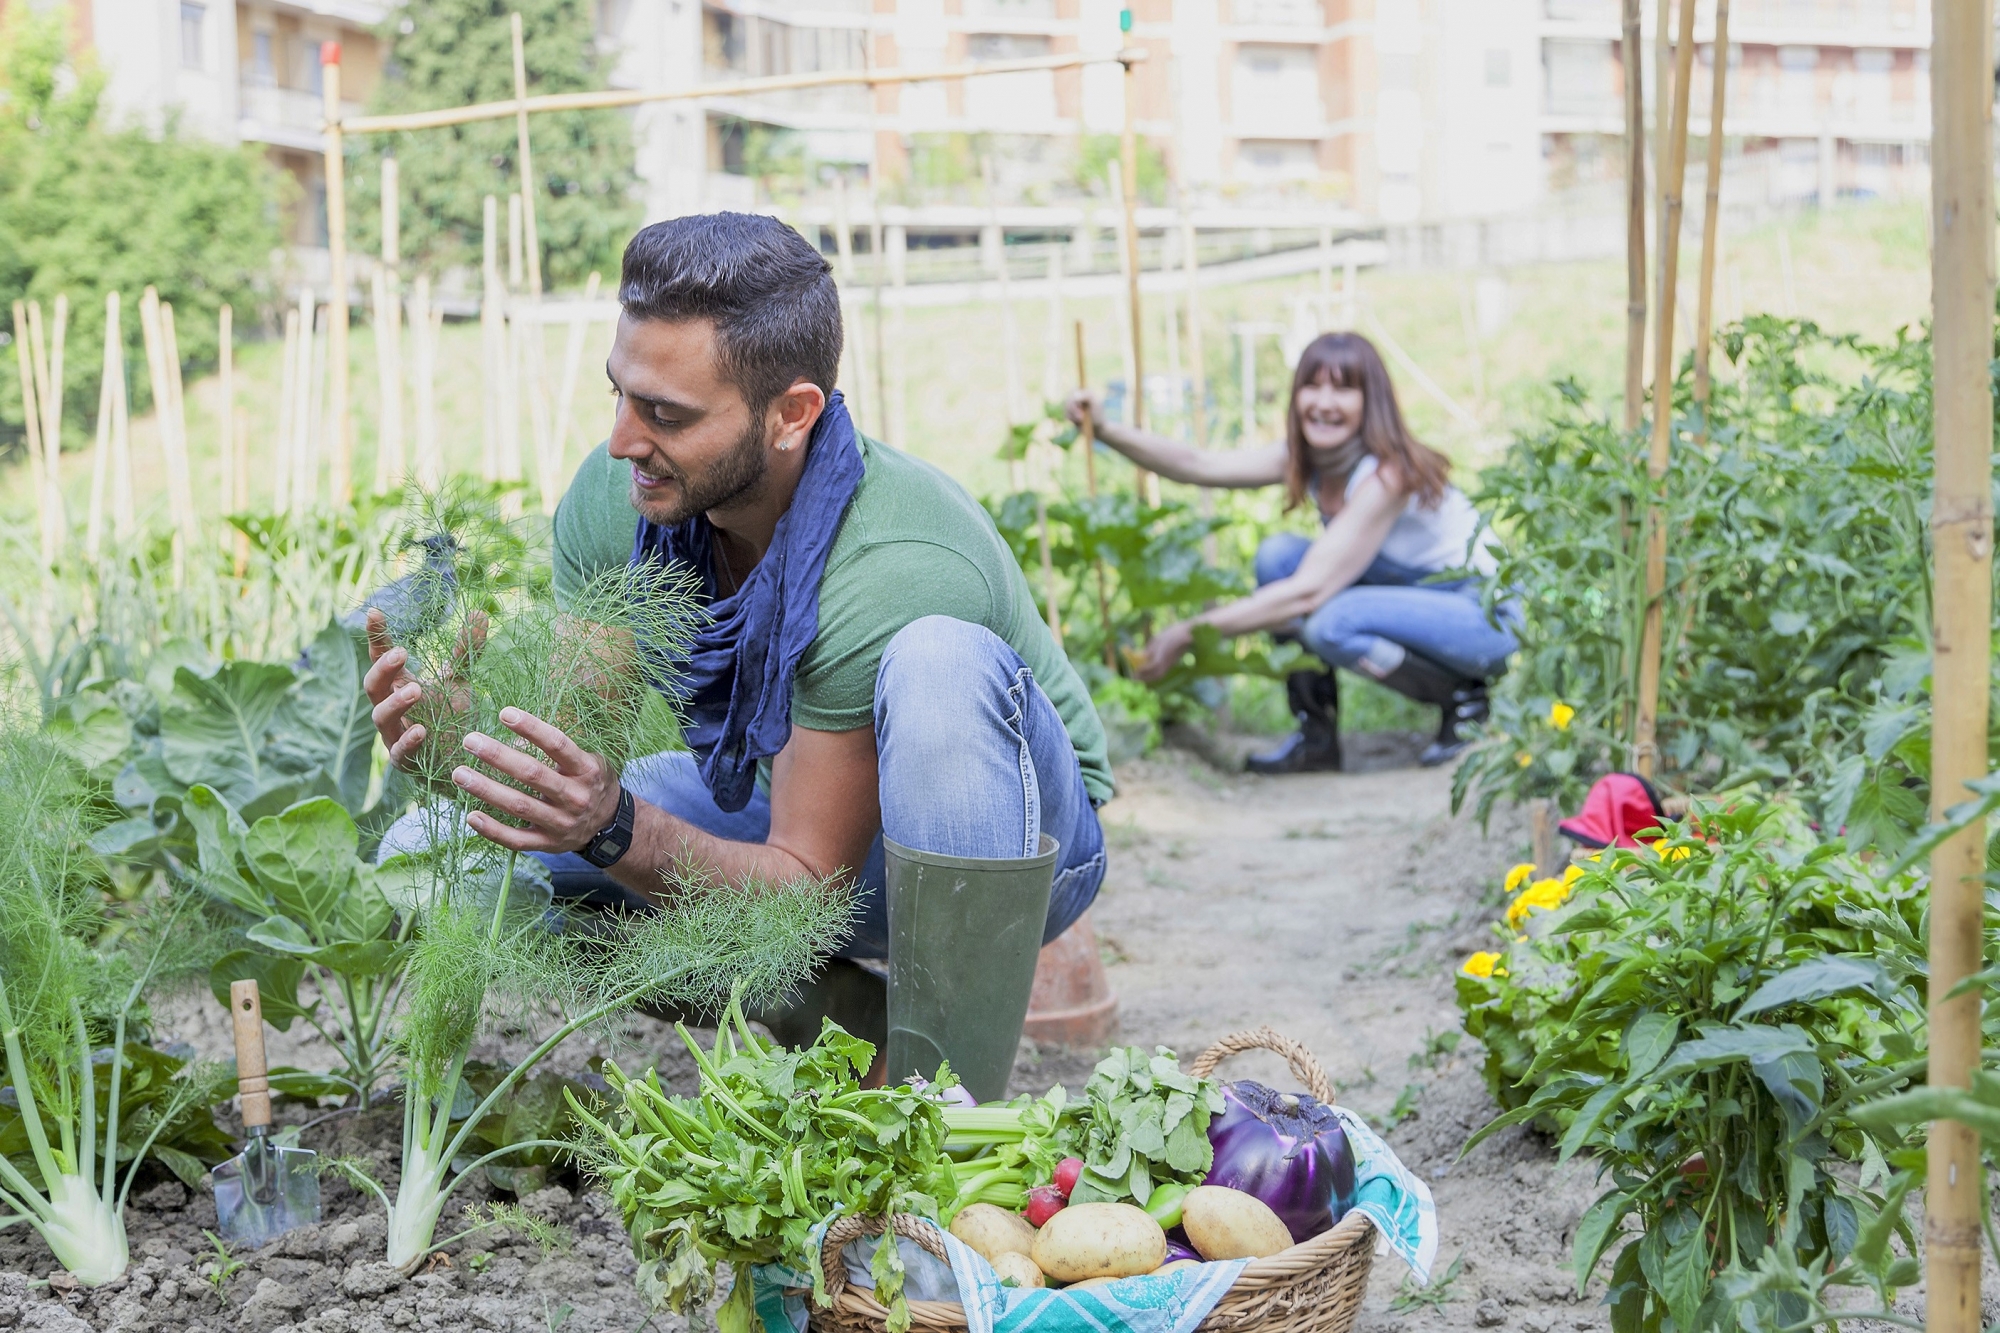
911 544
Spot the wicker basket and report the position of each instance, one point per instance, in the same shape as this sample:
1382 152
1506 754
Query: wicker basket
1314 1287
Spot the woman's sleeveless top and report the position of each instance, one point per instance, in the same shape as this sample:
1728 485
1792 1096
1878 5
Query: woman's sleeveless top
1432 538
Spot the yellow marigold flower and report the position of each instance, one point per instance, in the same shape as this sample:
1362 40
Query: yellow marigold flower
1571 874
1671 853
1519 875
1523 759
1560 715
1543 895
1485 965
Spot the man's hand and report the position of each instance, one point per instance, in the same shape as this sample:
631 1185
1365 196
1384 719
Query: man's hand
1165 651
1079 402
394 691
568 800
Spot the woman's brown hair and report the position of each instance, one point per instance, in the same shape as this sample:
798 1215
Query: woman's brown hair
1352 362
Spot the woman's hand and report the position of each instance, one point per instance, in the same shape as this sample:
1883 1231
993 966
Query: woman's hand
1080 402
1166 650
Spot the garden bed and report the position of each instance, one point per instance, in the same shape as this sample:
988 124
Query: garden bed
1333 907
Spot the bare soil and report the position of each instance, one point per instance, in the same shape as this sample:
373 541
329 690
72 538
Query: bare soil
1332 907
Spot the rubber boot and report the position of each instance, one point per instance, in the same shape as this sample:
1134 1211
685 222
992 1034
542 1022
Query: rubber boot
964 935
1315 747
1461 702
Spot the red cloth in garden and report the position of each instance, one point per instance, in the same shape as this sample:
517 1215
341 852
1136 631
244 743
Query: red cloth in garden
1619 807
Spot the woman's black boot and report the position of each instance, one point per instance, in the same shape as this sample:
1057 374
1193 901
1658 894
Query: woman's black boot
1461 703
1315 746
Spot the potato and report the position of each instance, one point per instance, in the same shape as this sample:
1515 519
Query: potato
1090 1282
1175 1266
992 1232
1087 1240
1229 1224
1017 1267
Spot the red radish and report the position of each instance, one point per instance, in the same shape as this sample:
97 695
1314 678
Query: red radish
1044 1202
1067 1170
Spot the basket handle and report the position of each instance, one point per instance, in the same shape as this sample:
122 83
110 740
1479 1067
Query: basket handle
845 1229
1304 1066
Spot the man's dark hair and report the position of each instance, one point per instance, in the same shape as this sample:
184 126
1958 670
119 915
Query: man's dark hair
769 292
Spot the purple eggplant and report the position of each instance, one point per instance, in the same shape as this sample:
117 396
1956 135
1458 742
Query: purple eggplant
1286 1149
1176 1251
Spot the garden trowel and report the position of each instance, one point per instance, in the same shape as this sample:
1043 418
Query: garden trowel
267 1189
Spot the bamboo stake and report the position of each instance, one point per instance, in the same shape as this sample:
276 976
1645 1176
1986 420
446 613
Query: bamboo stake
1086 439
240 499
491 339
1128 158
288 388
31 413
424 336
1704 320
1122 300
339 440
1962 542
517 260
1635 222
552 480
1673 178
123 520
389 464
179 477
100 451
526 158
312 443
225 415
609 98
45 355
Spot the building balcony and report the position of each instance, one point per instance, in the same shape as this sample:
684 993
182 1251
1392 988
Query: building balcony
286 117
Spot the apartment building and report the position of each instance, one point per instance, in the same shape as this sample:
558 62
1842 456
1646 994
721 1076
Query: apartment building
1831 96
237 71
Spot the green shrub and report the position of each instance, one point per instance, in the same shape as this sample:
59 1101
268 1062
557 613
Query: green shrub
1797 587
1702 1018
86 209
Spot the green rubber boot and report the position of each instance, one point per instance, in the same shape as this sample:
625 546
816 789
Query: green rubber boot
964 934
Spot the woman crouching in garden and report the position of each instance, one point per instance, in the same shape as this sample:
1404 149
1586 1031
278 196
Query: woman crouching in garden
1365 593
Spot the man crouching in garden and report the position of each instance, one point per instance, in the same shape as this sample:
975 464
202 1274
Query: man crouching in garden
873 688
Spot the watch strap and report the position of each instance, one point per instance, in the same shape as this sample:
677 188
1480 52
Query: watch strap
614 839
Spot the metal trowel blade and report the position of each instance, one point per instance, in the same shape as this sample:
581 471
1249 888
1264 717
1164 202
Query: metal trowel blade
264 1191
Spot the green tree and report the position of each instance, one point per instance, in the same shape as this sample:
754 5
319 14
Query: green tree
446 53
85 210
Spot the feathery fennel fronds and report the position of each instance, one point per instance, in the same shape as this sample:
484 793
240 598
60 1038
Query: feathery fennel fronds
67 984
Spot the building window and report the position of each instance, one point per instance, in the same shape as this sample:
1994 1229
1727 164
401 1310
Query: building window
192 15
1499 68
986 47
263 60
308 77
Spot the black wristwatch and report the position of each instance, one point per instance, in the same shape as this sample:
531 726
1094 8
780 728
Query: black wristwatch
614 839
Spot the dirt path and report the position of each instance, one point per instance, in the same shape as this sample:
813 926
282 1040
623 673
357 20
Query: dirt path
1335 908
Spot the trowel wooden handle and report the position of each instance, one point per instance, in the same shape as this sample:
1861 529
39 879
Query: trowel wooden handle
253 1088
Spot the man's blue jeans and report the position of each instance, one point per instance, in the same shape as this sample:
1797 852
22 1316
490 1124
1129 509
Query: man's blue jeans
973 761
1389 609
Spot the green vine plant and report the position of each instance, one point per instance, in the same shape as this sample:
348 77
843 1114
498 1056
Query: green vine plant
485 934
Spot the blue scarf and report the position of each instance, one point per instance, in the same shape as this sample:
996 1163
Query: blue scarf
735 682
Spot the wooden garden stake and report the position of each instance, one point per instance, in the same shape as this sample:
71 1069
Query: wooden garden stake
45 350
1673 177
552 480
1086 439
31 414
492 339
1962 540
241 499
123 520
100 452
526 157
1704 320
1635 220
389 466
288 390
1128 158
313 334
179 479
338 438
424 336
536 369
225 414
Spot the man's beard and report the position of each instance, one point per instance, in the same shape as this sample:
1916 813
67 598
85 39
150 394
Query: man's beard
735 475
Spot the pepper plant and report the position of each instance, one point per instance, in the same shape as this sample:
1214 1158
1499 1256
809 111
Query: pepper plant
1703 1018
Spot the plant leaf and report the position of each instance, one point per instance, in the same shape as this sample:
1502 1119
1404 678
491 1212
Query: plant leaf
1817 979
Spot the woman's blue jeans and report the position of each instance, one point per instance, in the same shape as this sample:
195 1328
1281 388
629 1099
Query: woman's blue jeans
1389 610
973 761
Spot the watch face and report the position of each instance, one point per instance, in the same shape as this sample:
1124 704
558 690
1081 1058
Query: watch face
612 848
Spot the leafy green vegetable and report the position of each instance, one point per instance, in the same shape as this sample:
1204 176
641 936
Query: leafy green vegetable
777 1142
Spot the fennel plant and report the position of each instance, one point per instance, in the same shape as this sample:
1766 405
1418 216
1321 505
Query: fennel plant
485 932
66 984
